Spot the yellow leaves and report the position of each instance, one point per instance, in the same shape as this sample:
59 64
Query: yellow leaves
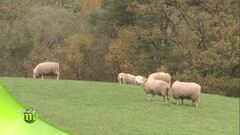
76 46
121 50
123 55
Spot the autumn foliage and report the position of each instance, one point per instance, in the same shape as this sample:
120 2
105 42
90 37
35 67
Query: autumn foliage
96 39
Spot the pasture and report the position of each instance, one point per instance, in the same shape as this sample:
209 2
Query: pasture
98 108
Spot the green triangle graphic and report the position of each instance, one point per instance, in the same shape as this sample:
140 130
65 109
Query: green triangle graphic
12 119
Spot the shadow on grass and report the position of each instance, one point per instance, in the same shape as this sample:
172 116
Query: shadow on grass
160 102
183 105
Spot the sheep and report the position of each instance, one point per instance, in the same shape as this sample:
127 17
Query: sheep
121 77
125 78
46 68
139 80
156 87
129 79
161 76
186 90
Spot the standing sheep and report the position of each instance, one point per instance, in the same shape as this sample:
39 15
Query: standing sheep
46 68
161 76
139 80
186 90
156 87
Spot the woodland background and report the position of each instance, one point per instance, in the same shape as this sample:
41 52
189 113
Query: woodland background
193 40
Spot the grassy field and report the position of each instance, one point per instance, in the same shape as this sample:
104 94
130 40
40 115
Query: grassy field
96 108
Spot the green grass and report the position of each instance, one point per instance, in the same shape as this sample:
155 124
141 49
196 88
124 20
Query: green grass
96 108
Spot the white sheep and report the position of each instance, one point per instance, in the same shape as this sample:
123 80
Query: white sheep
161 76
139 80
156 87
125 78
186 90
121 77
129 79
46 68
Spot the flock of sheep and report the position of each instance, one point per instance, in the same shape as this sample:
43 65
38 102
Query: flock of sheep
156 84
160 84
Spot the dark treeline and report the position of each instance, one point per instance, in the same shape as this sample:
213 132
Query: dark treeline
193 40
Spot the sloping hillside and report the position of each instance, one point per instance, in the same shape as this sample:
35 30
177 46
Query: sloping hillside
96 108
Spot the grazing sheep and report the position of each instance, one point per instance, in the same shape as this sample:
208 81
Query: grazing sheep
186 90
124 78
129 79
161 76
46 68
139 80
156 87
121 77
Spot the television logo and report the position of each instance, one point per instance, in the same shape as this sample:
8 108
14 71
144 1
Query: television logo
30 115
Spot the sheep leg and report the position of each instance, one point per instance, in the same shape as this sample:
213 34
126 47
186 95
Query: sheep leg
165 99
149 97
182 101
177 102
57 76
196 104
42 76
168 98
192 102
153 97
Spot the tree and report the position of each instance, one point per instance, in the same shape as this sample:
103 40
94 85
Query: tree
114 15
126 55
84 58
51 25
